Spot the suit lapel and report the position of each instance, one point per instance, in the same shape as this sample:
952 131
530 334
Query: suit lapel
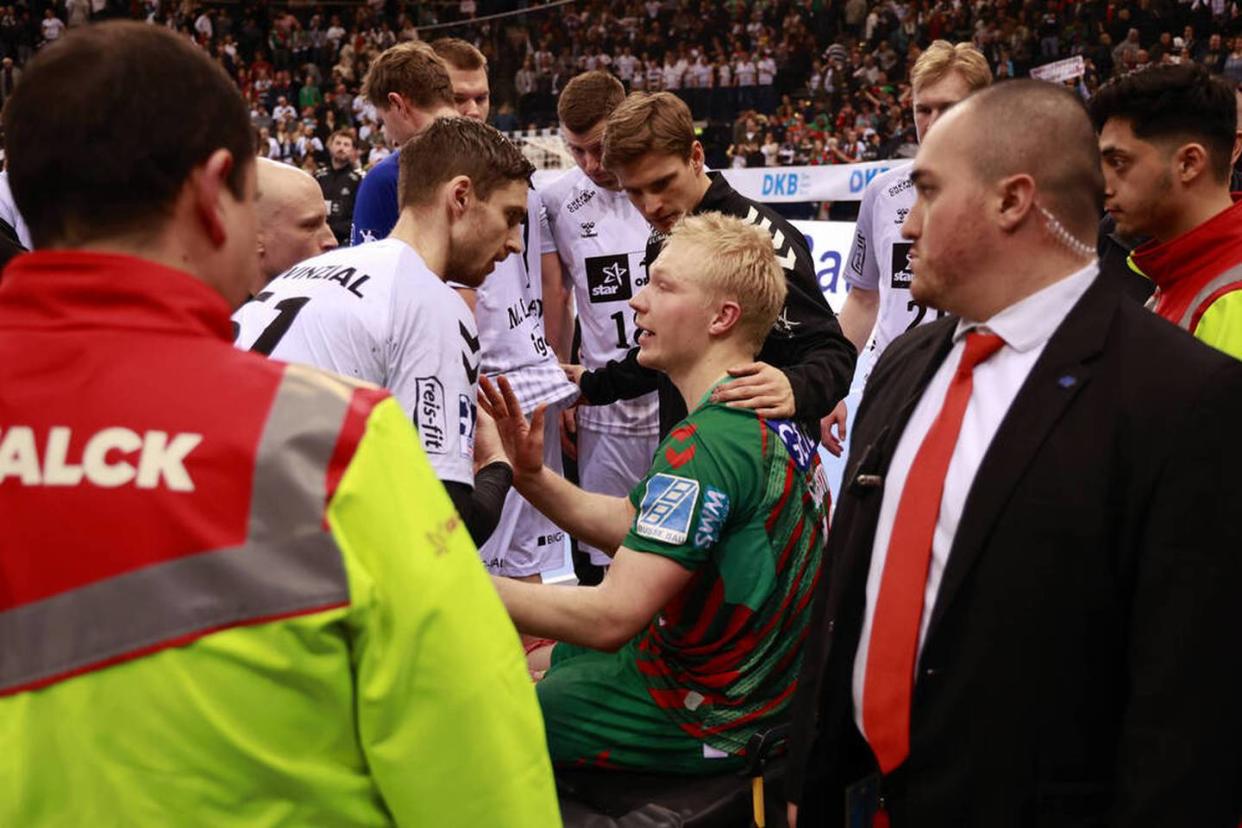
1062 371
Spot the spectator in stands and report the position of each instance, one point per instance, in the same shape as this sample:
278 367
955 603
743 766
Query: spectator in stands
526 84
1011 38
339 181
1167 141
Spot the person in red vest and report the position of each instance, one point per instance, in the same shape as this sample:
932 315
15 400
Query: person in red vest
232 590
1167 137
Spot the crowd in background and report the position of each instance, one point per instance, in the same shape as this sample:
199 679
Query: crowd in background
774 83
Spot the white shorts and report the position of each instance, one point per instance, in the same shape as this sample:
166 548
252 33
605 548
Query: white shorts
612 464
525 542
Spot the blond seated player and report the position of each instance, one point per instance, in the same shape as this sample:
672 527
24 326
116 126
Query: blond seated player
692 642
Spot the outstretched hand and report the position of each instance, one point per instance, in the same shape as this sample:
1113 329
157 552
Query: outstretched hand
522 440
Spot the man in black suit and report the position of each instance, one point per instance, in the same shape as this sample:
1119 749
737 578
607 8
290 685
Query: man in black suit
1032 612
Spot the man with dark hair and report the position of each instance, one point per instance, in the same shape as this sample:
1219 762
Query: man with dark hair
509 309
1167 137
806 364
599 240
339 181
234 591
381 311
409 87
1031 617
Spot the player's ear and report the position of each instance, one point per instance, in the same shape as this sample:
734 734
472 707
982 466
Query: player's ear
728 314
208 185
458 193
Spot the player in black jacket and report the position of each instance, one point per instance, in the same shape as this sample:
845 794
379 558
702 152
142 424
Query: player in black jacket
806 364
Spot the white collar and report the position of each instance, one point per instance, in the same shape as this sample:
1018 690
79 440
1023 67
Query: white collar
1032 322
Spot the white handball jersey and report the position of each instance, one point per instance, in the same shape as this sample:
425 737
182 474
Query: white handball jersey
879 259
602 241
377 313
509 312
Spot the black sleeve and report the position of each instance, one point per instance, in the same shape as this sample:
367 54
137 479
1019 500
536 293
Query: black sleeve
480 507
623 380
807 343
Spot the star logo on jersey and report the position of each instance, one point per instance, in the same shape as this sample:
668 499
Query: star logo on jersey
588 230
608 278
902 276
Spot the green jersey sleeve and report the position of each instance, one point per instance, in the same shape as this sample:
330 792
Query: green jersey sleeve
702 481
447 715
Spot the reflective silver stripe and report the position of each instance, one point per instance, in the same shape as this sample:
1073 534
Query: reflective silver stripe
1234 274
291 465
287 565
147 607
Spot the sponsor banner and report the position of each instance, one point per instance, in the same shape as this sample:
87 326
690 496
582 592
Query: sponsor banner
838 182
1060 71
830 245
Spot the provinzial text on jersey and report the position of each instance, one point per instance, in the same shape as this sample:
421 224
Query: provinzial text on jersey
347 277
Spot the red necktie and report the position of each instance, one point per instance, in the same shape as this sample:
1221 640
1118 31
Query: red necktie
889 680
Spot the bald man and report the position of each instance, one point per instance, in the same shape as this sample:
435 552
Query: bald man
1031 616
293 220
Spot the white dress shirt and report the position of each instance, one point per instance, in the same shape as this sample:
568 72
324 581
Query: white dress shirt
1026 328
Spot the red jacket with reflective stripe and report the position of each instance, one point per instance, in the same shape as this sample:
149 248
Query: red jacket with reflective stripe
1187 270
131 443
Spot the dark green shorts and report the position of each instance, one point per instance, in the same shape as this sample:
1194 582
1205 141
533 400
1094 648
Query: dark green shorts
598 713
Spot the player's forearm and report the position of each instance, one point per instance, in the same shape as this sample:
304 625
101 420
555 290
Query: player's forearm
600 520
575 615
618 380
858 315
480 506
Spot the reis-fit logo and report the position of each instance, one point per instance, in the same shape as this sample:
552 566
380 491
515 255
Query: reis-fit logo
608 278
429 414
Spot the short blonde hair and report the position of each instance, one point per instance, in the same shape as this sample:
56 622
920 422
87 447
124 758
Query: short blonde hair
943 57
647 122
737 260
